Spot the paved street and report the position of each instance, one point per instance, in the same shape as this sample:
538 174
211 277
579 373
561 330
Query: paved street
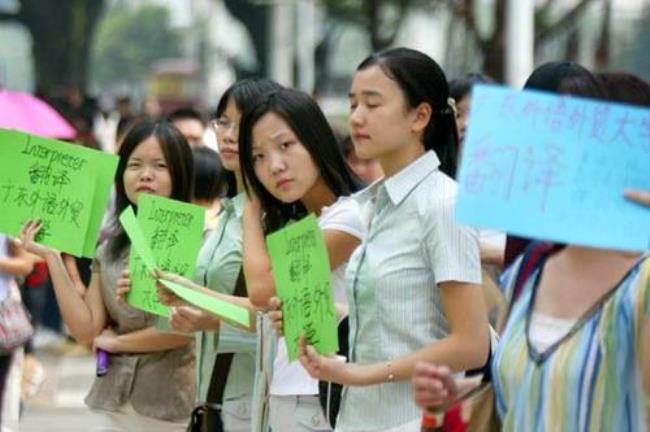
59 407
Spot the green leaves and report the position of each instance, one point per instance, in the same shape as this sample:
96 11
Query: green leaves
130 40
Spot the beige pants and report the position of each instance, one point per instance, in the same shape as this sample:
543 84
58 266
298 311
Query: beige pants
413 426
296 414
236 415
128 420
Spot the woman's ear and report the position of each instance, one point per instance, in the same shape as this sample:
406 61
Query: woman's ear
421 118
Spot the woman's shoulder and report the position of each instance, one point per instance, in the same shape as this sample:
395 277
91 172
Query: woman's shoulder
343 204
434 199
342 215
637 283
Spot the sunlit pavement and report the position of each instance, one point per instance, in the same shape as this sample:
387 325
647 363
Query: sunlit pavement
58 406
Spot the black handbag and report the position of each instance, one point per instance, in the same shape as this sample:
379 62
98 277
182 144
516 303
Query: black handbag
329 393
207 416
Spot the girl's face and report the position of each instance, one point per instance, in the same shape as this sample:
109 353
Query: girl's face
228 136
368 170
147 171
380 122
281 162
462 116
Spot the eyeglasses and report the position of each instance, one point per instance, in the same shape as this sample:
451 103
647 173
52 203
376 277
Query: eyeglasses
223 124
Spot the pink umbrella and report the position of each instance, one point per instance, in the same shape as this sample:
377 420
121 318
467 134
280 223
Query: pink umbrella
30 114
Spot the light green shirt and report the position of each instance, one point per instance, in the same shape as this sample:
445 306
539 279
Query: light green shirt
412 244
218 267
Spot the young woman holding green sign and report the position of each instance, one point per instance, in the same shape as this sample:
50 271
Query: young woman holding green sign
293 166
225 355
150 380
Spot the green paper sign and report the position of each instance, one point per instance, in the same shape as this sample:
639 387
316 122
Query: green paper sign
64 185
220 308
301 272
173 232
138 242
106 165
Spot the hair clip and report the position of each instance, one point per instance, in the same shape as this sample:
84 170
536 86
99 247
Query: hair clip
450 108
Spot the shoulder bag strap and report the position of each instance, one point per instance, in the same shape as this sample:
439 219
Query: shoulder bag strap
223 361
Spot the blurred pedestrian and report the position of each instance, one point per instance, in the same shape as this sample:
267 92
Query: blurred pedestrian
191 123
460 90
368 170
14 262
209 184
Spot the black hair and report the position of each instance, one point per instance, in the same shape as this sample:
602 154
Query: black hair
178 157
461 86
549 76
624 87
186 113
244 94
307 121
346 146
587 86
209 181
422 80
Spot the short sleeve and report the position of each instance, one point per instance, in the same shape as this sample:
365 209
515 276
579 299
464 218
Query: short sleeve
492 238
452 249
235 340
344 216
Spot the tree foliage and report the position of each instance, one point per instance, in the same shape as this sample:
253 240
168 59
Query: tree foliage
129 41
491 45
62 32
381 19
254 15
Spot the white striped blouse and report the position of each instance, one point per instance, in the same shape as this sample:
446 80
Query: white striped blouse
412 244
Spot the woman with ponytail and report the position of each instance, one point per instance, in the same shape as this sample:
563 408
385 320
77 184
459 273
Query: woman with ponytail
413 284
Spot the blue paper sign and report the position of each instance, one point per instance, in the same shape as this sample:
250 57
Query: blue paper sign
554 167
